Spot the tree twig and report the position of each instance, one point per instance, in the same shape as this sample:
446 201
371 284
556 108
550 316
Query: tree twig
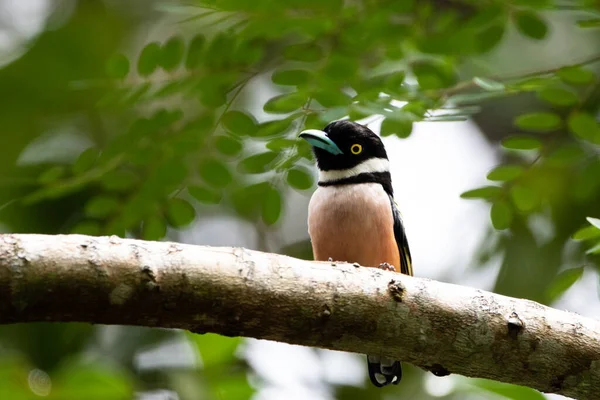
440 327
464 85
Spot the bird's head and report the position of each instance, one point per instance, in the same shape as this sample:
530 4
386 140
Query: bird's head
346 145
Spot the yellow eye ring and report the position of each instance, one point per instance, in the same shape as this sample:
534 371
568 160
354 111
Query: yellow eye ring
356 148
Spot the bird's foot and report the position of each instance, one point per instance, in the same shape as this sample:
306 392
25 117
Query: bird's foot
387 267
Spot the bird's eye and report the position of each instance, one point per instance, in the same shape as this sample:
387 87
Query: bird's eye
356 148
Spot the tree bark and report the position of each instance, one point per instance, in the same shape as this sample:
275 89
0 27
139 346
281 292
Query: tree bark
440 327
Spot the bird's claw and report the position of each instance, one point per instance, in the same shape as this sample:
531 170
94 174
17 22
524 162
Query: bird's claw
387 267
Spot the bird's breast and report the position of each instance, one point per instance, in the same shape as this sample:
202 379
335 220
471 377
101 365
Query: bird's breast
353 223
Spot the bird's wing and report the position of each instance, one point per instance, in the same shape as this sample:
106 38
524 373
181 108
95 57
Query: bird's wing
401 240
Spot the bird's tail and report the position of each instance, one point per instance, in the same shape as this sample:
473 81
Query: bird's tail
384 371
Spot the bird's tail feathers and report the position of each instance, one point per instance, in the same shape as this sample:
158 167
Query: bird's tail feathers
384 371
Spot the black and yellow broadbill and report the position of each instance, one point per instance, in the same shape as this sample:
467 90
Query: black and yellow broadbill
352 215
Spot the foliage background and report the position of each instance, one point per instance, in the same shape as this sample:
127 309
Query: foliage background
178 120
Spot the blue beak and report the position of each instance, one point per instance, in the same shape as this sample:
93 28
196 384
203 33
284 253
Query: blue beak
320 139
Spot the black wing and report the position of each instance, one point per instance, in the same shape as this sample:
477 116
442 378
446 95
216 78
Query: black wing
401 240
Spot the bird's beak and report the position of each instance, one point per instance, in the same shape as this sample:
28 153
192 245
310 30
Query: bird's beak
320 139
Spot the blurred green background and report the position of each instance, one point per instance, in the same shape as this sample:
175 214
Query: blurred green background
177 120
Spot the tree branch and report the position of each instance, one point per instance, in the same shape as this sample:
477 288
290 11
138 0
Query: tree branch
441 327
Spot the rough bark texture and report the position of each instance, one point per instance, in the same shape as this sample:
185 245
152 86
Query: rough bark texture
236 292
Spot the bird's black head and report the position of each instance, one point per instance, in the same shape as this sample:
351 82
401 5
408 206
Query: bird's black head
343 145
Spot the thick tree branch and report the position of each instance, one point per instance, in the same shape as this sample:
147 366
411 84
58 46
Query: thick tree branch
232 291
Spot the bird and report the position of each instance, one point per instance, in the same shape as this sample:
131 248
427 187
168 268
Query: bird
352 215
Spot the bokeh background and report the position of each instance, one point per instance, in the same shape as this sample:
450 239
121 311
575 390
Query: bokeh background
177 120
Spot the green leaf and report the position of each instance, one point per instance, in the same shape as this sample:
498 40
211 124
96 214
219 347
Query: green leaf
586 183
180 212
585 126
538 122
524 198
299 178
486 16
594 221
505 173
164 118
232 387
85 161
78 380
257 163
115 227
576 75
309 52
119 180
589 23
339 69
117 66
359 111
101 206
473 98
558 96
362 110
212 94
531 24
219 52
508 391
531 84
485 192
291 77
52 174
149 59
15 373
594 250
562 282
194 54
239 123
279 144
271 209
501 215
154 228
227 145
91 228
171 88
521 142
395 80
333 114
215 173
138 93
332 98
168 174
586 233
489 38
565 154
214 349
400 128
285 103
534 3
205 195
249 52
272 128
248 201
172 53
489 84
433 75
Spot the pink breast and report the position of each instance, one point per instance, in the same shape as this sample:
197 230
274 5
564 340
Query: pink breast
353 223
